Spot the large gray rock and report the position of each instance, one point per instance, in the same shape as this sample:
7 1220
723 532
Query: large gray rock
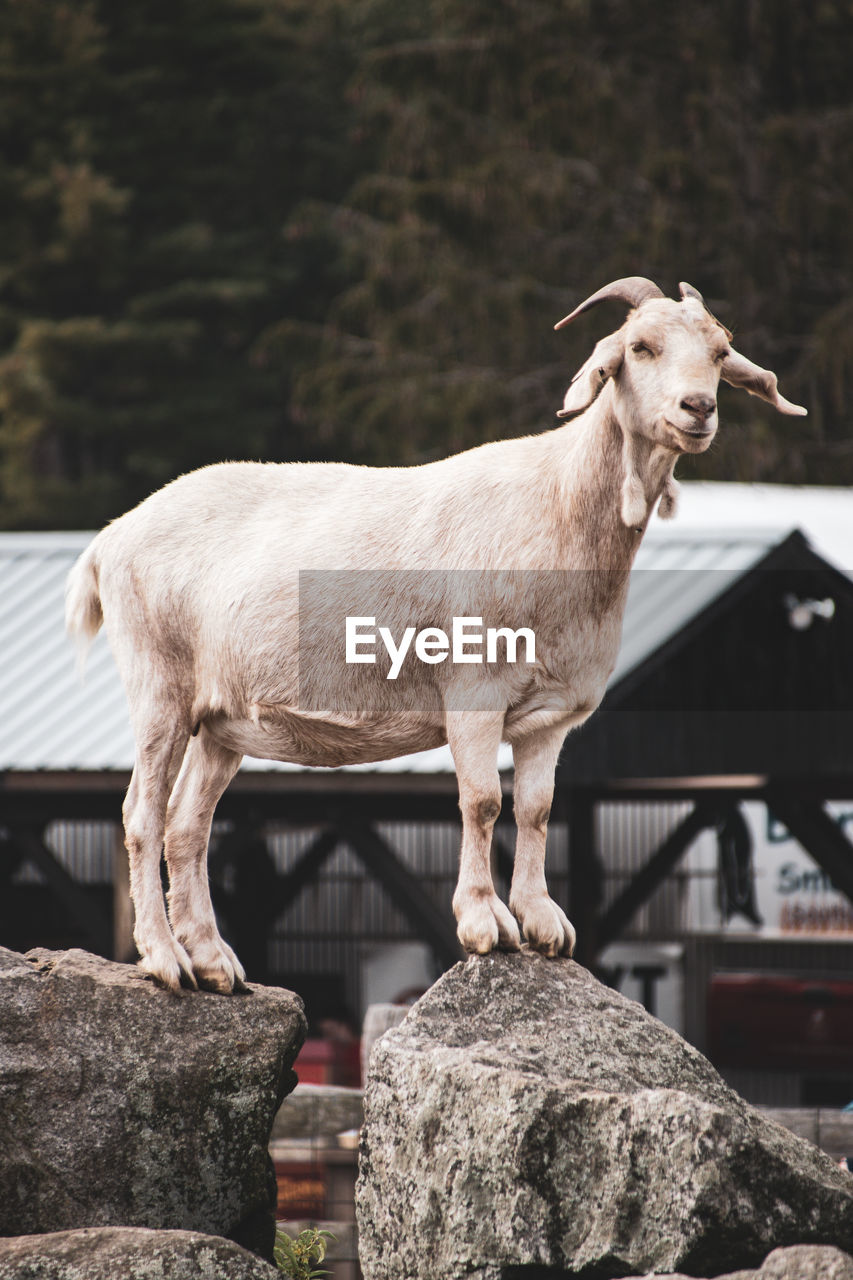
316 1111
122 1104
526 1115
129 1253
798 1262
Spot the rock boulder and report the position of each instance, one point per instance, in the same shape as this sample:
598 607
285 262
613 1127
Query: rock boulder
525 1116
122 1104
799 1262
129 1253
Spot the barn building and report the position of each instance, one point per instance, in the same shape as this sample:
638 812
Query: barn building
697 837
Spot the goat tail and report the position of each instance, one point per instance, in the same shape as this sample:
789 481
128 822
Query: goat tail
83 613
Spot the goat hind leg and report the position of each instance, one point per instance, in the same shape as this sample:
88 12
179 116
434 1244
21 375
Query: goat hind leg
483 922
160 748
207 769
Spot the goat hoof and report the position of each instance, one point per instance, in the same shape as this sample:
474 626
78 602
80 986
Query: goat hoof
218 974
217 982
214 964
485 925
219 970
169 968
547 928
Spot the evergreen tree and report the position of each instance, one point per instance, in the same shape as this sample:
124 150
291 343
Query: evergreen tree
154 153
521 154
344 229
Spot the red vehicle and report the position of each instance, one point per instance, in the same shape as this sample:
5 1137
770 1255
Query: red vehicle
783 1022
329 1062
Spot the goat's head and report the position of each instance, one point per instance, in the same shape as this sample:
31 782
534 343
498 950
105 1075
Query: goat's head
666 363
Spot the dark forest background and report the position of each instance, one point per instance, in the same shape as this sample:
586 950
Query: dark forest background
316 229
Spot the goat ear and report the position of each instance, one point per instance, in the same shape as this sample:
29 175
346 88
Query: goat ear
740 372
605 362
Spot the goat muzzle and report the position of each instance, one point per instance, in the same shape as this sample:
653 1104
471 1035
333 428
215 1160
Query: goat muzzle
701 407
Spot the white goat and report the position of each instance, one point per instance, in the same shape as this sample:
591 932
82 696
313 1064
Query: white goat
199 590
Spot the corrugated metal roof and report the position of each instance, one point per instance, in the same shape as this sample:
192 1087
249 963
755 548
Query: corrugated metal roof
50 720
676 577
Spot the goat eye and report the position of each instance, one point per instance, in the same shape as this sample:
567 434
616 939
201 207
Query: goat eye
641 349
721 356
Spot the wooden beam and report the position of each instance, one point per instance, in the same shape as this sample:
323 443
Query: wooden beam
97 927
306 868
11 858
659 865
407 893
502 859
260 894
585 877
818 833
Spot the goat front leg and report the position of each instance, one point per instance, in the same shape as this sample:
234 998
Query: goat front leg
546 927
483 922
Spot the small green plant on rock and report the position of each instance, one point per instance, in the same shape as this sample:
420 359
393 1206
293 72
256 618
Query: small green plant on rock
298 1257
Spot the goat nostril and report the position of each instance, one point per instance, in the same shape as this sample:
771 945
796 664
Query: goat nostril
701 406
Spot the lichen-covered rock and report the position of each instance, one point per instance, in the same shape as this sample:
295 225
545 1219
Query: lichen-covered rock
524 1115
122 1104
129 1253
799 1262
318 1111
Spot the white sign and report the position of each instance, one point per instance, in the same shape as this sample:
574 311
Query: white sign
793 894
652 973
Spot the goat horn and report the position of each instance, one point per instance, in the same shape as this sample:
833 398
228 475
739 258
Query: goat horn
687 291
632 289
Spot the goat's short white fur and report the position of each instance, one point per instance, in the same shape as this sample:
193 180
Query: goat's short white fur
197 588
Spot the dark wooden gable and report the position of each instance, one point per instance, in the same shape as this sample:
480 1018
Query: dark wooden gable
739 690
